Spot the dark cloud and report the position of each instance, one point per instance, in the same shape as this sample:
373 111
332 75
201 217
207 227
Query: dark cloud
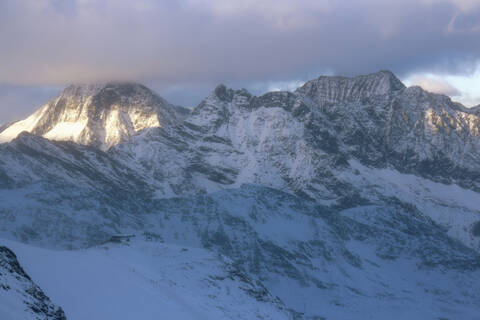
194 44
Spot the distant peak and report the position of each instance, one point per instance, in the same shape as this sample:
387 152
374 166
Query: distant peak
90 89
385 72
226 94
335 89
382 77
101 115
387 75
106 84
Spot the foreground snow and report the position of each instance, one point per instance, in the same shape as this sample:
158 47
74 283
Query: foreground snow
20 297
143 280
368 262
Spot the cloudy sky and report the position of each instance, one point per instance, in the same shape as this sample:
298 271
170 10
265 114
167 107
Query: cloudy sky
183 48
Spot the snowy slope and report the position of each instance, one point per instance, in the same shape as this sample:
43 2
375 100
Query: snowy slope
450 205
51 192
20 297
365 262
101 115
147 280
328 264
320 262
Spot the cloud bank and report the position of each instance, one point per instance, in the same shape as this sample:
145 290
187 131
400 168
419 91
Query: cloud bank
195 44
63 41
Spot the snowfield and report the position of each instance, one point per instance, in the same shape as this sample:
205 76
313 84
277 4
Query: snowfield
143 280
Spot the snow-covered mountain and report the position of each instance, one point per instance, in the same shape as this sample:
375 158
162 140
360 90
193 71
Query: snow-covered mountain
100 115
424 148
321 196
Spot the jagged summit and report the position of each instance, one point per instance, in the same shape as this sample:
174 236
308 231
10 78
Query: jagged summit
225 94
101 115
331 89
323 90
334 89
101 90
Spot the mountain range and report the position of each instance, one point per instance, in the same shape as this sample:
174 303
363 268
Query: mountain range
349 198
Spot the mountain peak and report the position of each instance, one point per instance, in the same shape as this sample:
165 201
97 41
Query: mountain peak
223 93
90 89
109 94
101 115
227 94
334 89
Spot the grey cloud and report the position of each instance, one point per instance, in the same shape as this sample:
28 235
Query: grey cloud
174 41
194 44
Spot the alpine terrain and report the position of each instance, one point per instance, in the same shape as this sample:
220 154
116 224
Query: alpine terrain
349 198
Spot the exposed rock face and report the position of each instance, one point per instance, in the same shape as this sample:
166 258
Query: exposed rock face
98 115
413 130
20 297
332 90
